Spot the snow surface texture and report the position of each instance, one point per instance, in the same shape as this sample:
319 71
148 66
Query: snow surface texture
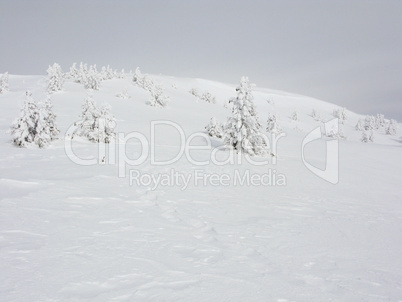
81 233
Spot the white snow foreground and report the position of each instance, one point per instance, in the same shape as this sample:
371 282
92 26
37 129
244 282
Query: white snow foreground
70 232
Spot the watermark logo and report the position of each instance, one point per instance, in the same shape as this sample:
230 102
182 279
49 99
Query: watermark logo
199 177
331 171
115 153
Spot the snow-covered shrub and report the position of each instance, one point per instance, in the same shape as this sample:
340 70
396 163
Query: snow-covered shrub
214 128
367 136
341 114
391 127
55 77
271 101
335 132
370 123
242 130
4 83
33 127
123 95
204 96
315 115
74 73
50 118
96 124
107 73
92 78
158 98
207 97
272 124
82 73
195 92
360 126
295 116
380 121
139 78
121 74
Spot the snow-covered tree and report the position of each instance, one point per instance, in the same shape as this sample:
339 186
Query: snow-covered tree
4 83
82 73
73 73
55 77
123 95
121 74
341 114
139 78
204 96
50 118
214 128
272 124
242 130
207 97
97 124
367 136
104 126
335 132
32 127
158 98
360 126
370 123
315 115
92 78
380 121
295 116
107 73
391 127
195 92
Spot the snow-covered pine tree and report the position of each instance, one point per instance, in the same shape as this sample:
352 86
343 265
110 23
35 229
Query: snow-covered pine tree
105 125
370 123
341 114
96 124
391 127
138 78
121 74
31 128
107 73
92 79
360 125
4 83
82 73
367 137
273 124
242 130
55 77
380 121
50 118
158 98
88 116
74 73
214 128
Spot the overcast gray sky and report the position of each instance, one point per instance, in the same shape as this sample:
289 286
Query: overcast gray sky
345 52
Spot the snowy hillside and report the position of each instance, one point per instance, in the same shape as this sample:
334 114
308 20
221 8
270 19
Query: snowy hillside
210 225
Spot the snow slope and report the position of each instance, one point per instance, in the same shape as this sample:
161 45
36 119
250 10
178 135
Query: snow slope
81 233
